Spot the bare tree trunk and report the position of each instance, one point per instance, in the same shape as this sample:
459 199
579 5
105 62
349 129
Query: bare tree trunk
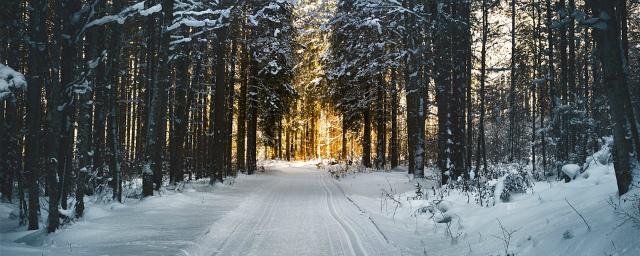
551 75
415 100
252 122
561 127
481 151
394 120
512 88
344 139
609 51
381 126
366 138
151 164
229 115
220 107
113 141
242 106
183 92
444 98
36 80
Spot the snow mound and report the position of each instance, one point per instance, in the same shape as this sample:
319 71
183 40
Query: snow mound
571 170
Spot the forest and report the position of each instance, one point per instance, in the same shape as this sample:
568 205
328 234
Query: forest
109 101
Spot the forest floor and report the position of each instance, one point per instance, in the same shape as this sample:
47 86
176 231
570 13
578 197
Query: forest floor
299 209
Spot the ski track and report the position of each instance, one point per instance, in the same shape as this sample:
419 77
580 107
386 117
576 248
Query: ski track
346 228
296 211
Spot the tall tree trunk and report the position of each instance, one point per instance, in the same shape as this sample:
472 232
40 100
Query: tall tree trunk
551 75
180 120
252 121
113 141
608 41
512 88
242 106
444 98
415 100
366 138
229 115
571 82
381 126
344 139
394 120
163 81
410 69
151 163
481 152
460 57
220 107
36 81
85 115
68 70
562 149
55 147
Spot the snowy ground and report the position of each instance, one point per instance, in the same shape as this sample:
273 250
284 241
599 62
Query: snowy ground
298 209
161 225
542 222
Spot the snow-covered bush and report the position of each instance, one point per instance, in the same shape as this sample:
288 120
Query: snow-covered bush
500 182
337 171
341 170
10 80
628 208
602 157
515 182
438 211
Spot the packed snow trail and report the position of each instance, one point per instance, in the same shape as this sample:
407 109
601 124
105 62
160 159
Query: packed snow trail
300 211
286 210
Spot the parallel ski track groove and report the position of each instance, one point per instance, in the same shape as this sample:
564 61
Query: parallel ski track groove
266 211
352 236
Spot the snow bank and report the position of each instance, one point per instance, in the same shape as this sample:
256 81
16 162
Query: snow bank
165 224
448 222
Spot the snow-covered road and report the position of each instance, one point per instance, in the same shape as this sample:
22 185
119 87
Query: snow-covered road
297 211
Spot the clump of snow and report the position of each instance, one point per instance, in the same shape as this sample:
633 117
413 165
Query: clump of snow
571 170
151 10
10 80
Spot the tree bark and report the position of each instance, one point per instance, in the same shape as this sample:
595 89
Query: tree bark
252 122
381 126
481 151
183 92
366 138
220 107
151 164
608 42
242 106
113 141
394 121
36 80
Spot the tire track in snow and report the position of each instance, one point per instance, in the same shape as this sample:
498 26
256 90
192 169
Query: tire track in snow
352 236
